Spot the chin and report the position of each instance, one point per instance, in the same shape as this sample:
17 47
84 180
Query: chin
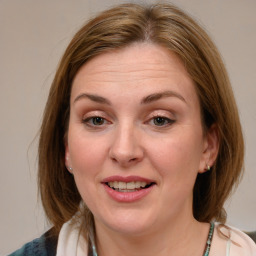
128 222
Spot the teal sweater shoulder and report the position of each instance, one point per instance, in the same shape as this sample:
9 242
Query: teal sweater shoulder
45 245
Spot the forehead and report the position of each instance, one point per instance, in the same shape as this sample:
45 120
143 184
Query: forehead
132 57
140 65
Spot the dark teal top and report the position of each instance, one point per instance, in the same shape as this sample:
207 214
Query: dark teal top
46 245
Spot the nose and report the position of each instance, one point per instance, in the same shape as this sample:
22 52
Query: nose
125 147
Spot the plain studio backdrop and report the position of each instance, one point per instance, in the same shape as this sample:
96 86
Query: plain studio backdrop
34 35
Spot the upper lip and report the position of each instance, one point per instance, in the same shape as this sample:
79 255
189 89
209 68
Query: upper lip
127 179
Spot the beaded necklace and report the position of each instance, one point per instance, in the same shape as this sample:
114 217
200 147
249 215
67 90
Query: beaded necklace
209 240
207 246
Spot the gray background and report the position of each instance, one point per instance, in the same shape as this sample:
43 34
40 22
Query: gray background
33 36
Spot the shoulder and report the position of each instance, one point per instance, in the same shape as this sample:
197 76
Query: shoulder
245 245
231 241
43 246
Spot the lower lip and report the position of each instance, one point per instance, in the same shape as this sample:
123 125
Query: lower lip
127 197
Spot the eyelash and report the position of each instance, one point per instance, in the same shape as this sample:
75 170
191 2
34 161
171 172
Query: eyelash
91 121
167 121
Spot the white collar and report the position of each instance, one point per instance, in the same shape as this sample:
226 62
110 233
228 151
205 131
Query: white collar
70 241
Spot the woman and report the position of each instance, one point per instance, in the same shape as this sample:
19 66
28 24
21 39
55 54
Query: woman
141 142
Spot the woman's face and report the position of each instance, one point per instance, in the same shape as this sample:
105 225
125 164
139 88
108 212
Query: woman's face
135 139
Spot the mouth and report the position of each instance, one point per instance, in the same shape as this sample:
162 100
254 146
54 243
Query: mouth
131 186
128 189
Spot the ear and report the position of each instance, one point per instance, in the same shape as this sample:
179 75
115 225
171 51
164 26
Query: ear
67 158
210 148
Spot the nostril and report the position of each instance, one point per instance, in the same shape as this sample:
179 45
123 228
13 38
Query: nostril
114 160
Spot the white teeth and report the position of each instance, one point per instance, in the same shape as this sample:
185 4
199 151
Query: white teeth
128 190
122 185
127 186
143 184
130 185
137 184
116 184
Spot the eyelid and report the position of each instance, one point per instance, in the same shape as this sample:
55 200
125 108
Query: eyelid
86 118
89 122
162 113
168 116
94 117
94 113
166 119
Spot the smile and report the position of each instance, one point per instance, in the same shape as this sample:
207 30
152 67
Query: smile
132 186
128 189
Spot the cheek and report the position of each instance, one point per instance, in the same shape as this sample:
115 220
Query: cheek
86 154
87 157
178 155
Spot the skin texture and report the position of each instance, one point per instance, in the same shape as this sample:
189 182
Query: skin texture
128 89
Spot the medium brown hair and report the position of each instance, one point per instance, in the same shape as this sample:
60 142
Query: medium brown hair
160 24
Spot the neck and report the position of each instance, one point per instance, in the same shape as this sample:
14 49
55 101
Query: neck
175 239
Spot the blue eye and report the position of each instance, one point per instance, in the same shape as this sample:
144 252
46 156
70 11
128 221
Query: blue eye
161 121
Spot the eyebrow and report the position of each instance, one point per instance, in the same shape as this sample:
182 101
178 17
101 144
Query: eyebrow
157 96
148 99
93 97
